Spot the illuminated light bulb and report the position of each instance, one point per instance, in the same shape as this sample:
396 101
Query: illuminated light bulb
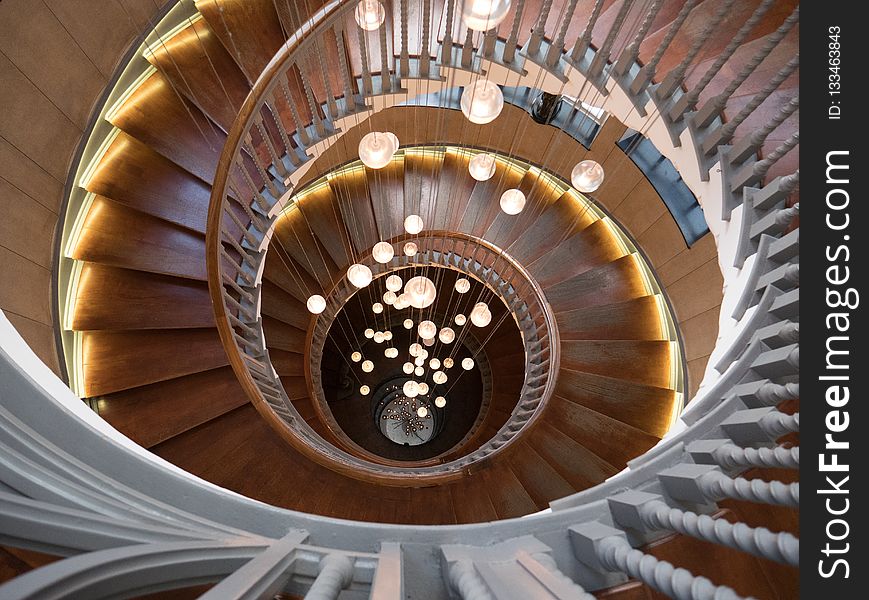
379 337
410 249
434 363
423 388
407 368
439 377
376 149
387 335
483 15
408 323
410 388
427 330
391 353
467 363
413 225
480 315
482 102
365 390
359 275
422 411
448 363
367 366
420 292
419 371
370 15
587 176
415 349
377 307
482 166
419 361
316 304
462 285
369 333
428 342
356 356
512 201
440 402
389 298
460 319
383 252
423 353
401 302
447 335
394 283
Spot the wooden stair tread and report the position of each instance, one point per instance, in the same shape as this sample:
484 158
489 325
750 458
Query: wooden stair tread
635 319
642 361
613 282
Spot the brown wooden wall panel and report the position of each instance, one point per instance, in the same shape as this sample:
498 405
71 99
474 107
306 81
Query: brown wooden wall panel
120 236
113 298
614 282
135 175
153 413
115 361
643 361
697 292
645 407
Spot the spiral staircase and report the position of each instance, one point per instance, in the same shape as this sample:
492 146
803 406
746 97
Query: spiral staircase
227 163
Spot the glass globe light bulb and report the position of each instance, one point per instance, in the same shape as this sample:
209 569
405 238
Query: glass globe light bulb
482 102
377 307
482 166
390 352
376 149
410 388
316 304
410 249
423 389
439 377
415 349
413 225
480 315
428 342
434 363
394 283
447 335
460 319
387 335
427 330
587 176
365 390
512 201
419 371
407 368
378 337
370 14
401 302
356 356
423 353
389 298
408 323
367 366
483 15
422 411
383 252
448 363
419 361
462 285
369 333
467 363
420 292
359 275
440 401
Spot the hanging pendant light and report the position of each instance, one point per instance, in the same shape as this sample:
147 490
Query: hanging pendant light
423 353
407 368
393 283
439 377
481 315
460 319
427 330
410 388
316 304
420 291
359 275
422 412
369 333
389 298
419 371
383 252
356 356
428 342
482 102
482 166
387 335
512 201
440 402
391 353
462 285
422 386
401 302
434 363
413 224
483 15
415 349
587 176
370 15
367 366
377 308
447 335
448 363
379 337
410 249
419 361
377 148
408 323
467 363
364 390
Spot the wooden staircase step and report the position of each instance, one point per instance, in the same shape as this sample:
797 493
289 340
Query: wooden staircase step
506 492
287 363
635 319
386 188
483 204
592 247
613 282
578 465
471 502
557 222
642 361
352 200
542 482
284 306
283 336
